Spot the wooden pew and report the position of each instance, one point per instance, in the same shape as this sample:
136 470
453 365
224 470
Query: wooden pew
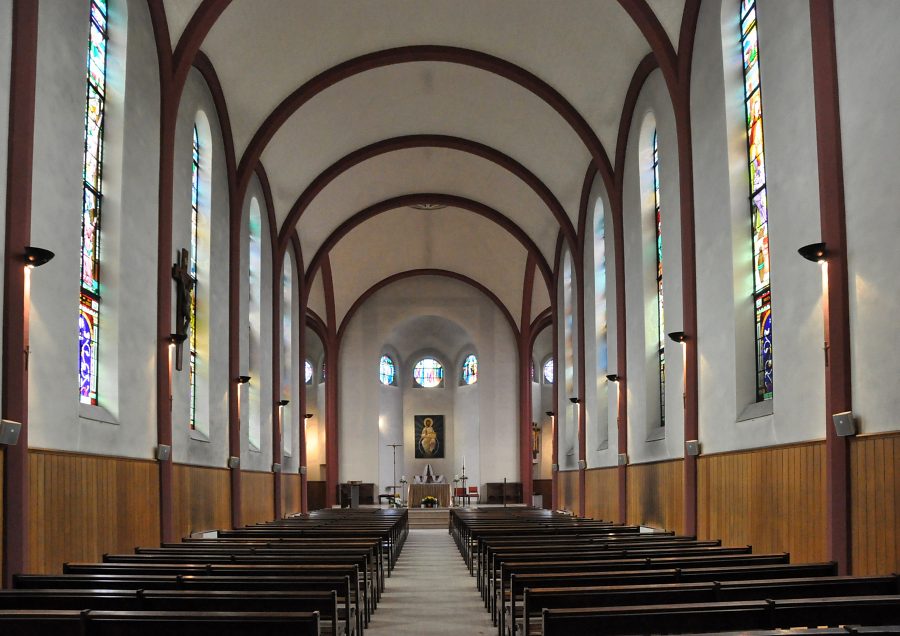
535 600
716 617
325 603
99 623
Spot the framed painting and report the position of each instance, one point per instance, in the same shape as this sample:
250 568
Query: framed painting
429 436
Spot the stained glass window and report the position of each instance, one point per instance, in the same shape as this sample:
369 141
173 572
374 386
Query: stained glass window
470 370
660 324
549 371
600 325
195 220
386 371
91 204
759 210
428 373
309 372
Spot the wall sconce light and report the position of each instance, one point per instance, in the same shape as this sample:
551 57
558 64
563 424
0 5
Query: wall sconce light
612 377
283 402
550 413
678 336
814 252
37 256
176 339
242 379
308 416
574 400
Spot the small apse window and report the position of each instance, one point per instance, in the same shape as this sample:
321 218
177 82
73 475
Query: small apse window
549 371
386 371
428 373
309 372
470 370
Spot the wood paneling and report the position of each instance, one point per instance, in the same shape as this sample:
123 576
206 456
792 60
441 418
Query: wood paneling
2 503
568 490
201 498
315 490
290 493
770 498
544 488
601 497
656 494
257 497
875 504
84 505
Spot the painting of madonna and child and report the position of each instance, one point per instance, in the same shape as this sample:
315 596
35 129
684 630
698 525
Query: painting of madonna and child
429 436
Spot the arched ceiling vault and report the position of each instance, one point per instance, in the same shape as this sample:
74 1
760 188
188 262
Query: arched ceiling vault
352 106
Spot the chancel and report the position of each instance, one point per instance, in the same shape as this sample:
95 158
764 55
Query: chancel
609 285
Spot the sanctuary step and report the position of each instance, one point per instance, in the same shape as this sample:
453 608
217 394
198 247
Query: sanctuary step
429 518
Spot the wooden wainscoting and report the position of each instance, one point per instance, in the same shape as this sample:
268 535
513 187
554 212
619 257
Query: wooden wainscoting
290 493
315 490
257 497
601 493
544 488
875 503
81 506
568 490
656 495
201 498
2 502
771 498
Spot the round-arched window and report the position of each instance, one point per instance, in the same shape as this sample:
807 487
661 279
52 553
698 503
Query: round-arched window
428 373
309 372
470 370
549 371
386 371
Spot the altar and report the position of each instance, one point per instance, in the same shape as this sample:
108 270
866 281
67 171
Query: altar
439 491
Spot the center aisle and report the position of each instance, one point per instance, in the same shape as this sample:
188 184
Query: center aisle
430 592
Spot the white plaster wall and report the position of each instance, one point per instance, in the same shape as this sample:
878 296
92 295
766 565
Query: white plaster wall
207 446
124 424
869 93
729 417
647 441
600 430
442 317
567 367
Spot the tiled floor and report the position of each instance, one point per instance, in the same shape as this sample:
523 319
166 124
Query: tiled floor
430 592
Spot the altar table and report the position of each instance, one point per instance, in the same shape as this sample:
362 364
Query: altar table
418 491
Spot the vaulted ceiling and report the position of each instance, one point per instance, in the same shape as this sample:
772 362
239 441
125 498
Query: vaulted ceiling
493 103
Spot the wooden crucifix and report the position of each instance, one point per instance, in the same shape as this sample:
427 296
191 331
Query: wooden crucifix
184 283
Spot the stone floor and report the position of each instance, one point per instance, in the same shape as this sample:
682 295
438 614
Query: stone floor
430 592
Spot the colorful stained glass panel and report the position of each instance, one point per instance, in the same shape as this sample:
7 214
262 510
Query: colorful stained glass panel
386 371
88 328
428 373
308 368
660 303
549 371
470 370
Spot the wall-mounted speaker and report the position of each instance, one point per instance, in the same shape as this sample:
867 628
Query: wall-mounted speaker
692 447
582 464
303 470
276 467
623 459
844 424
554 468
163 452
234 462
9 432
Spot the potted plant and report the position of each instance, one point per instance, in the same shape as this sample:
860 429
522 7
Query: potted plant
429 502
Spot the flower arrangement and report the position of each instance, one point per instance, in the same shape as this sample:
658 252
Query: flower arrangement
429 502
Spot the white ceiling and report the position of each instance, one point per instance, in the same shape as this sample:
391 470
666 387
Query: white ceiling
587 50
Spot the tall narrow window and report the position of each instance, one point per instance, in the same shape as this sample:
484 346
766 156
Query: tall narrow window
254 304
600 324
549 371
470 370
759 210
92 199
661 328
386 371
195 221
